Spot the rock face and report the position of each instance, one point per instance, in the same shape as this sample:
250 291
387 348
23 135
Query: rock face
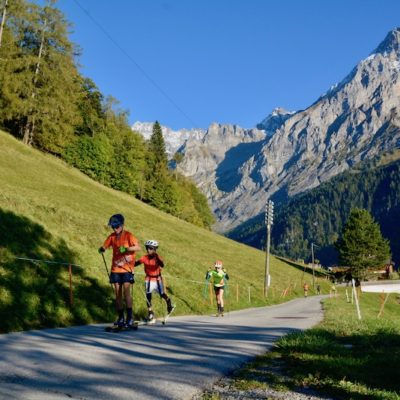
173 139
238 169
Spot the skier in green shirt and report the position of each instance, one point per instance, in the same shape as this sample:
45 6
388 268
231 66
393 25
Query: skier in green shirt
218 278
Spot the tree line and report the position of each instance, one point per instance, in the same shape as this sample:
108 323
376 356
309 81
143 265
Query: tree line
320 215
47 103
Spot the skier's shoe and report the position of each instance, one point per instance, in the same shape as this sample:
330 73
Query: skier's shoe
150 318
130 324
120 322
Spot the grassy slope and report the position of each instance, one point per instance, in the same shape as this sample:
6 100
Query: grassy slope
49 210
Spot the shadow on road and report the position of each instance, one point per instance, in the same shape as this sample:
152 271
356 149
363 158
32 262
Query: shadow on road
154 362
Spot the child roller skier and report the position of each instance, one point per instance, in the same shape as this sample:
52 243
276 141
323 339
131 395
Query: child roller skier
124 246
218 277
153 264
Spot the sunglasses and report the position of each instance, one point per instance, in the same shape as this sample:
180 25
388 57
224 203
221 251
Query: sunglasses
150 248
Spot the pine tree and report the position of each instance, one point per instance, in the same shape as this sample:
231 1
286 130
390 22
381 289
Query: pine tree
157 147
91 109
362 245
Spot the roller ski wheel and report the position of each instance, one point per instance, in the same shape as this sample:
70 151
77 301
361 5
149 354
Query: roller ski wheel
146 322
117 329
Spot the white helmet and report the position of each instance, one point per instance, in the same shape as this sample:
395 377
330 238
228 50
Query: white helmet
151 243
218 264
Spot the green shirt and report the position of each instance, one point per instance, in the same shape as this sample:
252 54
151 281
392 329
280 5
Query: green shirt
217 278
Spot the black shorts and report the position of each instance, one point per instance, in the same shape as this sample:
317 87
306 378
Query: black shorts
218 288
122 277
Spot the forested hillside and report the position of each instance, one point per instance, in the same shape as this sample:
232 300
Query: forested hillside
318 216
47 103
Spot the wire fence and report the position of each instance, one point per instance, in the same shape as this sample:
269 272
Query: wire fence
235 292
69 265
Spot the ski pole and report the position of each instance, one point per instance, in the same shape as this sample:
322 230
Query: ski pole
206 286
108 274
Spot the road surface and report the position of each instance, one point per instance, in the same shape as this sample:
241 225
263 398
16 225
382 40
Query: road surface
174 361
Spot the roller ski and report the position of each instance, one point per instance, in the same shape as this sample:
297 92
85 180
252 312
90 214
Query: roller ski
170 309
116 329
150 320
121 326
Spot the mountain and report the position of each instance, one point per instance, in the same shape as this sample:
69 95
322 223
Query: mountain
290 152
355 120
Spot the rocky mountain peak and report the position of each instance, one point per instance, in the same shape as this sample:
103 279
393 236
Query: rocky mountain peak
390 44
274 120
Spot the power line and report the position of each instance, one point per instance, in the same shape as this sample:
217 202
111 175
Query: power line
137 65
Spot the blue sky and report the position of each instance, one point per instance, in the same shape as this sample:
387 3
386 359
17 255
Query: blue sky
188 63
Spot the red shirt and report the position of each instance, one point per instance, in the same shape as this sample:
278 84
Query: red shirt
121 262
152 266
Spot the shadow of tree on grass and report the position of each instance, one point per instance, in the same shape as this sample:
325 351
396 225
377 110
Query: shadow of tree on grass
36 294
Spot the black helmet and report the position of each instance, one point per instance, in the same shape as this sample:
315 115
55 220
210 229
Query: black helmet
116 221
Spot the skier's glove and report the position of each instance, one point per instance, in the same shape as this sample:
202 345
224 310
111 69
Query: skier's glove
101 250
123 249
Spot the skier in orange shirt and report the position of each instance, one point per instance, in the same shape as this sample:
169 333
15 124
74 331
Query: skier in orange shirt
124 246
153 265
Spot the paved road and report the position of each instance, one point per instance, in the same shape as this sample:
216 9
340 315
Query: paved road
174 361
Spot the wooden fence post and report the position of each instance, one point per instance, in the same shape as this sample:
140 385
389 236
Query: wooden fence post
71 299
211 295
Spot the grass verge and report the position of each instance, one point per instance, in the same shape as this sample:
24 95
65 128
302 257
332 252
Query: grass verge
343 357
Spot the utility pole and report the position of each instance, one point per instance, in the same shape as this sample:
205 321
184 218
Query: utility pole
3 19
313 263
269 219
312 260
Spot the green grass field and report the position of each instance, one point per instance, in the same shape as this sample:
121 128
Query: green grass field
50 211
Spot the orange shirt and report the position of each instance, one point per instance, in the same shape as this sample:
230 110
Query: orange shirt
152 266
121 262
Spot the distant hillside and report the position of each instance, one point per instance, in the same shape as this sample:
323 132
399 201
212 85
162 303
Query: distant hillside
51 211
318 215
